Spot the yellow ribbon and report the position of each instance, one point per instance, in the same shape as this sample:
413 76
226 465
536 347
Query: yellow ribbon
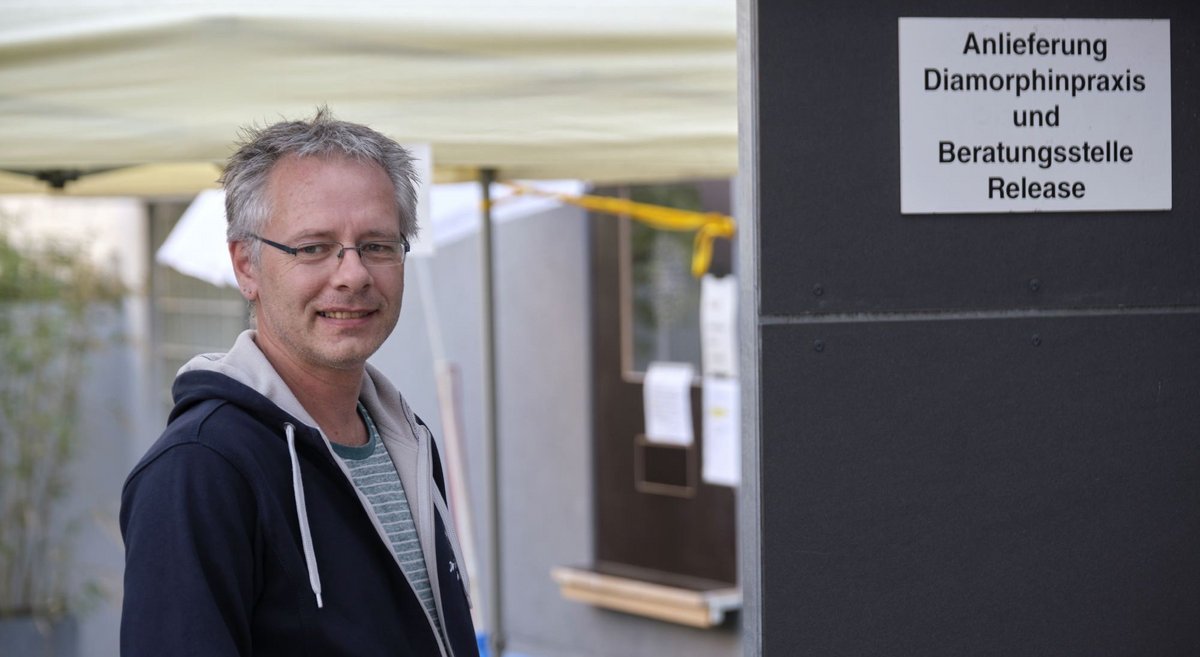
708 225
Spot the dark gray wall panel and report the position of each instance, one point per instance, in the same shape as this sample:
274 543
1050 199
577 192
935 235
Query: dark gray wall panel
829 169
1002 486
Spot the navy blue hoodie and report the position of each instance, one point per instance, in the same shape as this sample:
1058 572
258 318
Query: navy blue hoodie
217 562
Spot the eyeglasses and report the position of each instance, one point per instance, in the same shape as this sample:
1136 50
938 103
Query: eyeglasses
378 253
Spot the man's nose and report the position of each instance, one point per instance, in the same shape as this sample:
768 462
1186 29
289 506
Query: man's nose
351 271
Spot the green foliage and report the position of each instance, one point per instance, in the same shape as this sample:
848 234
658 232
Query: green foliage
46 295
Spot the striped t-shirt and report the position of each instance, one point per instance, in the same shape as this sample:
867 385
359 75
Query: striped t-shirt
375 476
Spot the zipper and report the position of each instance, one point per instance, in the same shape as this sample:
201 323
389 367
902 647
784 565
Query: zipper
428 538
452 536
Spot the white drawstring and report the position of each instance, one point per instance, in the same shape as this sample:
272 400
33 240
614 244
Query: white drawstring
314 576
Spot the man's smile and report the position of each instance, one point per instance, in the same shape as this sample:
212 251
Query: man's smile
345 314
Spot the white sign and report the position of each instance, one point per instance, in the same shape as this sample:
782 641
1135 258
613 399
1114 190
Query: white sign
667 397
718 326
722 431
1034 115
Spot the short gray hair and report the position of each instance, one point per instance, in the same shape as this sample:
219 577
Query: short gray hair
245 178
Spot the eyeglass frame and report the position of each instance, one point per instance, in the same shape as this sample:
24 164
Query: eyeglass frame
294 251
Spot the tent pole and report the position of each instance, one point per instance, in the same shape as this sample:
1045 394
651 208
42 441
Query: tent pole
495 617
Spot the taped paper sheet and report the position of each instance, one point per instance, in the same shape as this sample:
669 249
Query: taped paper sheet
667 397
718 325
722 432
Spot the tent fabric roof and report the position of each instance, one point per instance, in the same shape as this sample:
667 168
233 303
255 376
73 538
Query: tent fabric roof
604 90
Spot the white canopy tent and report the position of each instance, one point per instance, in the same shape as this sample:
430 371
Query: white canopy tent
145 96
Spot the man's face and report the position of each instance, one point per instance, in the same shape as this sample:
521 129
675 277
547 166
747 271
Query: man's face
331 315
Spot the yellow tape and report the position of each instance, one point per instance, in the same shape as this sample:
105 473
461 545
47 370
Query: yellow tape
708 225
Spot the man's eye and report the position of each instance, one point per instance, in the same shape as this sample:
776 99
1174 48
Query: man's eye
379 248
315 250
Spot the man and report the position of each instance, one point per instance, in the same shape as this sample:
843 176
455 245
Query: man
295 505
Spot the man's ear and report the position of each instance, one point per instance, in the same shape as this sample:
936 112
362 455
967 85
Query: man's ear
246 271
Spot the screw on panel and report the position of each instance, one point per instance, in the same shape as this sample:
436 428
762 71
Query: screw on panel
1036 340
1035 285
818 346
818 290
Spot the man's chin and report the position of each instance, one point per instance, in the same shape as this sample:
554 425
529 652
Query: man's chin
348 356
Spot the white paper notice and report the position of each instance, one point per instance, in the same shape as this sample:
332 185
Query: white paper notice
667 396
722 432
718 326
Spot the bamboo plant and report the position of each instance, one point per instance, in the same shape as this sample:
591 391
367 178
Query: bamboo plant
46 296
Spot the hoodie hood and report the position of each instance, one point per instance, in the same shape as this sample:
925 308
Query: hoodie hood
274 401
246 364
